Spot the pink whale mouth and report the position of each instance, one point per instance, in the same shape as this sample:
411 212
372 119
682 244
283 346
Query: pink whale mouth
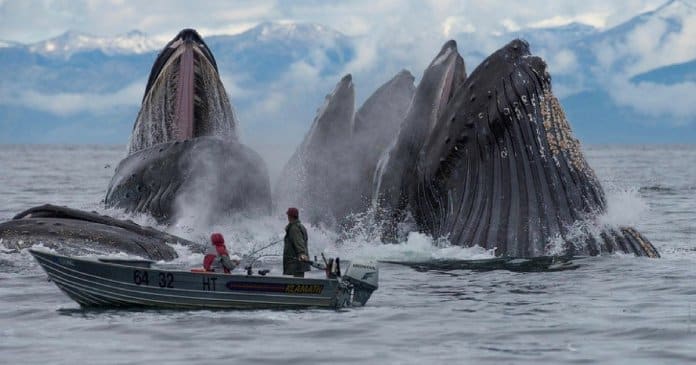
183 126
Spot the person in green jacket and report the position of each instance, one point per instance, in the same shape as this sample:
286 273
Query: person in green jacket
295 252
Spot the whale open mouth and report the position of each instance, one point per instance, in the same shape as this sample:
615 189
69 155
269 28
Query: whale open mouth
448 66
335 117
184 154
167 54
184 97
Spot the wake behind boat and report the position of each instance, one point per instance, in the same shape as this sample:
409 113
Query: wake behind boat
95 282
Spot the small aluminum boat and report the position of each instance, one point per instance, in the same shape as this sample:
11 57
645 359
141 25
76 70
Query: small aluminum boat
95 282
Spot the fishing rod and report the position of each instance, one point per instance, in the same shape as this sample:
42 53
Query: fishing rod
265 247
315 263
254 252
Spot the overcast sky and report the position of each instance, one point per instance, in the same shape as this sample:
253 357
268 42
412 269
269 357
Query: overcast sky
28 21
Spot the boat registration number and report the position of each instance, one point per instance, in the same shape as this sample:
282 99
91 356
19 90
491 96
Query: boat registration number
163 279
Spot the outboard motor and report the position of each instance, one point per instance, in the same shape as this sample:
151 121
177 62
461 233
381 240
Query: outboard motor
364 277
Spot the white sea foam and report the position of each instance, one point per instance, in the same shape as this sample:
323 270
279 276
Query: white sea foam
245 236
418 247
624 207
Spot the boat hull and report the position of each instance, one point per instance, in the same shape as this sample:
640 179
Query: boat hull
92 283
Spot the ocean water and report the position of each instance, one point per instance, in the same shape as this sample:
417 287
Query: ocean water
615 310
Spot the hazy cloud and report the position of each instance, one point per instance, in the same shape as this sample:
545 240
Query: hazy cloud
676 100
71 103
597 20
34 20
657 41
564 61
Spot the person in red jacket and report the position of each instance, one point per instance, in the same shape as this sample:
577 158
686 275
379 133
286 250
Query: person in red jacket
219 258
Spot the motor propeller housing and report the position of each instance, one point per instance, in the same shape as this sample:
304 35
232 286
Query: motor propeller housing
364 277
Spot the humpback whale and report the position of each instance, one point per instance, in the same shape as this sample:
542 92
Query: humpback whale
184 155
75 231
376 124
329 175
393 177
315 172
502 170
489 160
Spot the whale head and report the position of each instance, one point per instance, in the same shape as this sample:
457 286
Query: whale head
184 97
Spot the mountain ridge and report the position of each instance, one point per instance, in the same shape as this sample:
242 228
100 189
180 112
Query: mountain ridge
281 71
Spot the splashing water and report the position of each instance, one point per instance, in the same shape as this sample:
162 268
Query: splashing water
245 235
624 207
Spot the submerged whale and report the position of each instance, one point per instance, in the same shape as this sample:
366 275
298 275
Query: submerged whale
74 231
489 160
184 155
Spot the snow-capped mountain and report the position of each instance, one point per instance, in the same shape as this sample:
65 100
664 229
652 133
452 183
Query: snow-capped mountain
619 79
290 32
74 82
72 42
654 39
269 49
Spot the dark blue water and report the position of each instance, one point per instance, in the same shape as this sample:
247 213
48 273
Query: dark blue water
617 309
